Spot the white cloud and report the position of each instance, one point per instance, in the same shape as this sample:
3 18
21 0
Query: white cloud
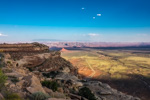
142 34
99 14
93 17
2 34
82 8
93 34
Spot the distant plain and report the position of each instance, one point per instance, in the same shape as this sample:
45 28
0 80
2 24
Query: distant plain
126 69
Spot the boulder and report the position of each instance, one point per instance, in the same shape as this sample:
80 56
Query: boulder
65 70
70 79
78 84
34 84
12 85
47 90
13 74
48 79
66 76
20 83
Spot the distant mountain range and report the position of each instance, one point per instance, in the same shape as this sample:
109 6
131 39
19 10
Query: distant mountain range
62 44
97 44
45 40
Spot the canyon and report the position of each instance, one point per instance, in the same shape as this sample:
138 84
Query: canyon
33 69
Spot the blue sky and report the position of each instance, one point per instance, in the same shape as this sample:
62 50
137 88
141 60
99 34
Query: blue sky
75 20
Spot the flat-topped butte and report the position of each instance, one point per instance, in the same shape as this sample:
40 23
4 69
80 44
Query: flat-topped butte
23 47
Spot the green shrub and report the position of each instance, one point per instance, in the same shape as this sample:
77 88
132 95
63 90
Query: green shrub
51 74
12 96
86 92
30 69
2 79
51 84
2 65
39 96
15 80
46 74
8 62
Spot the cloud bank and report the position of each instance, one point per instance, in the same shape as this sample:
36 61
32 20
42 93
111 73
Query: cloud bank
2 35
93 34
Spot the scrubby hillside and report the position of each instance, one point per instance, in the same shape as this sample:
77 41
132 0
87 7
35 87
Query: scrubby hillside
47 76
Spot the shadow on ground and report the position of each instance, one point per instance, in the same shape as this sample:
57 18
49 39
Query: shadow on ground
136 85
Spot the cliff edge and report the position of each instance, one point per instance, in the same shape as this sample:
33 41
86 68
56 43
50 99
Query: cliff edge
33 72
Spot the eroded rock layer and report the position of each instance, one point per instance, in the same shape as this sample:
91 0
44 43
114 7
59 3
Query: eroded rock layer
49 73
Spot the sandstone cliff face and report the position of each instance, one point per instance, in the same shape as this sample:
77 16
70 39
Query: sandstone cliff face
44 62
23 47
17 51
26 74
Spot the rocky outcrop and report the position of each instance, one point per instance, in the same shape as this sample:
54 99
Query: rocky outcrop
25 76
23 47
105 92
33 84
77 97
69 79
17 51
47 62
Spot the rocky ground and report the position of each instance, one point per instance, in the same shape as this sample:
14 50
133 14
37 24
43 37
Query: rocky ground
47 76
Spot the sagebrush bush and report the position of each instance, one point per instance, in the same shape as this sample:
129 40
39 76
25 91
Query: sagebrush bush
2 64
2 79
12 96
39 96
8 62
51 85
86 92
